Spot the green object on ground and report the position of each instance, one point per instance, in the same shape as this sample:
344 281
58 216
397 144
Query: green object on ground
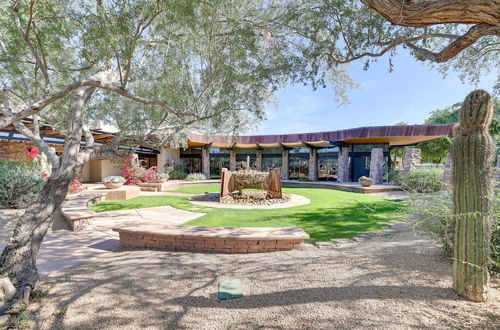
331 213
230 289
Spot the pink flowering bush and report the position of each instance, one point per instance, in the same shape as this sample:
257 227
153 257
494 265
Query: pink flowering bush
136 173
33 153
76 187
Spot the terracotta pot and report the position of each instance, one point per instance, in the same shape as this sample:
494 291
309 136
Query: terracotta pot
366 183
160 180
113 185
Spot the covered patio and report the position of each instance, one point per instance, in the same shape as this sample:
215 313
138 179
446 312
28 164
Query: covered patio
339 156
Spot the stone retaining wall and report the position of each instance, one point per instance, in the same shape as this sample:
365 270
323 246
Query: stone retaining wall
206 244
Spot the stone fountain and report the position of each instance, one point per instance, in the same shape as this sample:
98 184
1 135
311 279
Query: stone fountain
232 182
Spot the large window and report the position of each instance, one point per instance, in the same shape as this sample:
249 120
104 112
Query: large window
148 160
328 164
219 158
191 159
298 163
245 158
271 158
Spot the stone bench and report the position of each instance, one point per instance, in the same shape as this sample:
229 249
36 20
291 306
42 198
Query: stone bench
149 235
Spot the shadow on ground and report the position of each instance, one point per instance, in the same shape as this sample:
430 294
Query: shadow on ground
403 282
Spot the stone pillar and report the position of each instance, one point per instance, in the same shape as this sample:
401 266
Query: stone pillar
284 164
377 165
258 160
448 172
232 160
411 159
205 162
313 164
344 166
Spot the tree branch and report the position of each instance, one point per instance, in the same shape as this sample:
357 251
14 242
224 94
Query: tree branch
450 51
33 137
422 13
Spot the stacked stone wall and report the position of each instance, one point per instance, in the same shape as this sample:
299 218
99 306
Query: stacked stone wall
377 165
206 244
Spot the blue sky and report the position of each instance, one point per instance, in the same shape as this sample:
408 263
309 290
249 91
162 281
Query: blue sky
407 94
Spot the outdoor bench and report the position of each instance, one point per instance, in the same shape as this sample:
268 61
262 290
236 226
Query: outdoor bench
150 235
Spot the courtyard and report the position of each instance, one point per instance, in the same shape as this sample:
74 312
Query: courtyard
249 164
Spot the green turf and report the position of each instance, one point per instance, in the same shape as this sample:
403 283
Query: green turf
331 213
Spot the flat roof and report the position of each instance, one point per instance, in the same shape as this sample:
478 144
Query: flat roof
393 135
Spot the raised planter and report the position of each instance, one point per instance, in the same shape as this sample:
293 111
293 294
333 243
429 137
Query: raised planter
113 185
366 183
160 180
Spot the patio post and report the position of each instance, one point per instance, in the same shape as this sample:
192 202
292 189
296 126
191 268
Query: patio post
258 160
377 165
284 164
343 165
205 161
232 159
313 164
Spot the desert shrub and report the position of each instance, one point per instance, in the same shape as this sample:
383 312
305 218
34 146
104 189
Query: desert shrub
394 176
195 177
433 213
177 174
76 187
19 184
422 180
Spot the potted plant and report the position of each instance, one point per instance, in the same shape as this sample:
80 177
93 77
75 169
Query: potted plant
161 177
365 181
113 182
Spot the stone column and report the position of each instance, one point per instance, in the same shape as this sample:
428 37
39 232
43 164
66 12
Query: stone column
232 160
377 165
205 162
411 159
448 172
344 166
258 160
313 164
284 164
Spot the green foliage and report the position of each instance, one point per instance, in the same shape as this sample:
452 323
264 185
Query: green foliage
177 174
323 219
435 151
19 184
195 177
422 180
433 213
394 176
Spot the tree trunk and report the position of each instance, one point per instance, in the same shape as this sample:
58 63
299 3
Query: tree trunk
18 259
472 152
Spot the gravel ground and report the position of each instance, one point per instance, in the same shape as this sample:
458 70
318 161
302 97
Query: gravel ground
398 282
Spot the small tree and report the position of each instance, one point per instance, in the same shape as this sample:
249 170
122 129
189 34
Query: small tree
473 150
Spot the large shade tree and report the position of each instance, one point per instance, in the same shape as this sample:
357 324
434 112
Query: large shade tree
152 68
170 67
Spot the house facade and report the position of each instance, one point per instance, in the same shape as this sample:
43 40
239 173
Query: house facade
342 156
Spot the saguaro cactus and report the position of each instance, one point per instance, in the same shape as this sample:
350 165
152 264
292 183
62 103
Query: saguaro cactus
472 151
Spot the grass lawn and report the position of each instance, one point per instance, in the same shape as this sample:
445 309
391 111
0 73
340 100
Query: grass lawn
331 213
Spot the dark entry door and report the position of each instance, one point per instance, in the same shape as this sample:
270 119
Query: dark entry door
360 167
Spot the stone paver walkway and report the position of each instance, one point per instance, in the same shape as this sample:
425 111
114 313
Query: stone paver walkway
61 249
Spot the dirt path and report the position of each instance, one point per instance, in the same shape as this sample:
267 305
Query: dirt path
399 282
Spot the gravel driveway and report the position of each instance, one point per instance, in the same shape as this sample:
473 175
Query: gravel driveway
398 282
